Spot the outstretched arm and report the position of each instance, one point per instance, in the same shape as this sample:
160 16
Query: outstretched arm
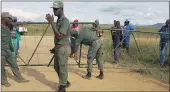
160 30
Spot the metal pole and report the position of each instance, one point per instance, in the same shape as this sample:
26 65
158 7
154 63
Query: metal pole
50 61
22 60
80 56
47 22
137 45
38 44
169 9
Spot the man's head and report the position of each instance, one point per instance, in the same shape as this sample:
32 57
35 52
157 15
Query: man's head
117 23
74 33
6 18
75 25
14 19
57 7
126 22
96 23
114 22
167 23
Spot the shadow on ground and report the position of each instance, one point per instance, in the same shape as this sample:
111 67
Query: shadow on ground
41 78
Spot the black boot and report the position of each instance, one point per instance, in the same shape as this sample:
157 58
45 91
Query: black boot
127 50
61 88
68 84
6 84
101 75
87 76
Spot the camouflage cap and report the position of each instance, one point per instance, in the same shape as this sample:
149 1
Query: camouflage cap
57 4
6 15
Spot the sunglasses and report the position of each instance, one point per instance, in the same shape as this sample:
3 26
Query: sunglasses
56 9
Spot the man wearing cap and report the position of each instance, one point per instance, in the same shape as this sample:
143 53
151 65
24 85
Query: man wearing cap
126 35
74 47
18 37
14 37
95 28
113 32
117 38
88 37
7 49
62 43
164 40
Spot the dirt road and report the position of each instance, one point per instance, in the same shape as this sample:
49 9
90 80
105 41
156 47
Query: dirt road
45 79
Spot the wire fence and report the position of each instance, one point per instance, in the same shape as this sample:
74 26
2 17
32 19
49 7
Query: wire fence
143 52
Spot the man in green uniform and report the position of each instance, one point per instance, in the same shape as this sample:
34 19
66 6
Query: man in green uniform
14 37
95 28
7 49
62 43
17 33
89 37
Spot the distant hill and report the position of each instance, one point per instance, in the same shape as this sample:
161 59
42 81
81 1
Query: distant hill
159 25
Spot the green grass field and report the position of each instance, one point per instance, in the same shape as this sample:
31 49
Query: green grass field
148 46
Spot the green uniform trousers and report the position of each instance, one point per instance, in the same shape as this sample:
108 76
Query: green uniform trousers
95 50
7 57
61 63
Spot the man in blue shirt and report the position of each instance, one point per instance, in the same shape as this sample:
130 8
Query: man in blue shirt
126 34
164 40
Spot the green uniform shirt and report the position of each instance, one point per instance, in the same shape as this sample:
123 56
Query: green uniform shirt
63 26
6 42
85 36
18 33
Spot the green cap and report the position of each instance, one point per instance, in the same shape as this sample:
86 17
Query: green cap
6 15
74 33
96 22
57 4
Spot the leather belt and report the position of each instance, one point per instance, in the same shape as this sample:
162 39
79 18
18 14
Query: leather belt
61 45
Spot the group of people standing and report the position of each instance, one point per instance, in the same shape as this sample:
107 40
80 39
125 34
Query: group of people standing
121 37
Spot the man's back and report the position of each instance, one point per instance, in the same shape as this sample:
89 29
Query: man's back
87 35
127 28
5 38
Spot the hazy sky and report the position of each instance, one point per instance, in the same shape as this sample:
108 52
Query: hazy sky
141 13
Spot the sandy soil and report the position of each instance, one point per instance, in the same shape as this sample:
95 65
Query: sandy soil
44 78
